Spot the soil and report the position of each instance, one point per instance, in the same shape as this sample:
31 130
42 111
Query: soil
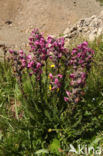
19 17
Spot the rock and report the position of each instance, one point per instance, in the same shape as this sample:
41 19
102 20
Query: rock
8 22
89 28
100 31
66 31
92 37
67 42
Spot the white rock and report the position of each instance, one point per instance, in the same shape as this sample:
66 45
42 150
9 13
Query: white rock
92 37
66 31
99 32
90 28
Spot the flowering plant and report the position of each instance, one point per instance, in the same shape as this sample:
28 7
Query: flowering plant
47 66
51 98
51 79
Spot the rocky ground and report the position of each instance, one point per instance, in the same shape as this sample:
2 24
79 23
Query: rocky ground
19 17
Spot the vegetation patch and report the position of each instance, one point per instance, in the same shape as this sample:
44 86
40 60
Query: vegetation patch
51 97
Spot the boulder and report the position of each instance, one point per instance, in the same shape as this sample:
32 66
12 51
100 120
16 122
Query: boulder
89 28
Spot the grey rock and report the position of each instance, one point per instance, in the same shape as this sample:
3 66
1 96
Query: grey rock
89 28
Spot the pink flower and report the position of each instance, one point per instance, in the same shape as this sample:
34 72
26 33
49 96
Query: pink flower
79 54
38 65
66 99
43 57
80 46
74 51
85 43
89 57
21 52
56 81
43 50
71 62
81 61
37 35
30 38
49 39
34 70
83 75
37 43
72 83
11 51
30 64
29 57
53 88
59 85
72 76
60 55
92 52
23 62
51 76
55 44
79 81
68 93
60 76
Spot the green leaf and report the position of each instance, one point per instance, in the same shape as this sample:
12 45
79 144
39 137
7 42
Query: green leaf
42 151
95 141
54 146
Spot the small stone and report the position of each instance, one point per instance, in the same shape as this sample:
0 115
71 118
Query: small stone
8 22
